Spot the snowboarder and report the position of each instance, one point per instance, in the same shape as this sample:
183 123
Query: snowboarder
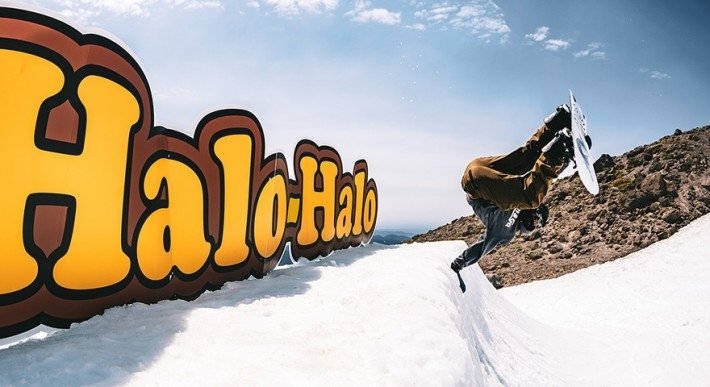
506 192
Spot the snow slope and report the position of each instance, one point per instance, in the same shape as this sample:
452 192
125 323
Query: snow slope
645 318
394 316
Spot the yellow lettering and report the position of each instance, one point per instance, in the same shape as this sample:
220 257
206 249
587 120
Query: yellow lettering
345 216
270 217
294 207
234 153
370 213
25 82
360 178
174 235
93 178
312 199
95 258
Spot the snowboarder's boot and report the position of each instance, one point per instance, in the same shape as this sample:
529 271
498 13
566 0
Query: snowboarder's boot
560 119
561 149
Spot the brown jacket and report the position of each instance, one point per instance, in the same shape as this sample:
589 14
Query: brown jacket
519 179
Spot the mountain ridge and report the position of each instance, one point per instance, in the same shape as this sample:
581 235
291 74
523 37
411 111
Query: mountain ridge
646 195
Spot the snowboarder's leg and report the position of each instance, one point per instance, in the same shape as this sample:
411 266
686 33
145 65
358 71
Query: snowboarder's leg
468 257
522 160
504 190
560 119
537 182
521 178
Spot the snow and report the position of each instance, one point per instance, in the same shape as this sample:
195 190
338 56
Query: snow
646 317
394 316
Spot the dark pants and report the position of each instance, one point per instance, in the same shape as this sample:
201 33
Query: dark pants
519 179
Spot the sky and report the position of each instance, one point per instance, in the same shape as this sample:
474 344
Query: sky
394 316
417 88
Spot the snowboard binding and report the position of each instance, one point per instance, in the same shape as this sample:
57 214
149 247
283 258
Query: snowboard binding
561 147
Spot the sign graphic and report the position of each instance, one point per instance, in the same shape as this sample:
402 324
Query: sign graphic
100 208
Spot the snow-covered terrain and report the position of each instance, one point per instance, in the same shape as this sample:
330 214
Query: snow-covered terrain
394 316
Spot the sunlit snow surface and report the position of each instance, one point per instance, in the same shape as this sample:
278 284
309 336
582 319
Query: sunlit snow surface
394 316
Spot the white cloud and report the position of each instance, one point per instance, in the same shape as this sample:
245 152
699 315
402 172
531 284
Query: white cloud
363 13
539 35
295 7
659 75
417 26
593 50
556 44
481 17
128 8
436 14
654 74
84 10
195 4
79 14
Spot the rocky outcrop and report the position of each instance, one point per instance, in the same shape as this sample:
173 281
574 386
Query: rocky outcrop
646 195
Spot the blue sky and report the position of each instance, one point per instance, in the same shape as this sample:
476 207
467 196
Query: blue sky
417 88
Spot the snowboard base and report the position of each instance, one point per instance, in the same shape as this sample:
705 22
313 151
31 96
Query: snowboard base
582 158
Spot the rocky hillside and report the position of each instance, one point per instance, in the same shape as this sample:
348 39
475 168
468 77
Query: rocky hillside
646 195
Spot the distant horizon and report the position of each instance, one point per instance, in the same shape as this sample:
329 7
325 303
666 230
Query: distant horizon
401 231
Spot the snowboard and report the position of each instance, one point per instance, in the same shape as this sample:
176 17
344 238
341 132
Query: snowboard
582 158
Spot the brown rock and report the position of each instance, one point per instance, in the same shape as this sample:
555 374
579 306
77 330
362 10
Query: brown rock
671 216
655 185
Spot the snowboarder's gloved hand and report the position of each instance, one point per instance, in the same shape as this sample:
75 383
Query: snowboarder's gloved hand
542 213
456 265
528 220
560 119
560 147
